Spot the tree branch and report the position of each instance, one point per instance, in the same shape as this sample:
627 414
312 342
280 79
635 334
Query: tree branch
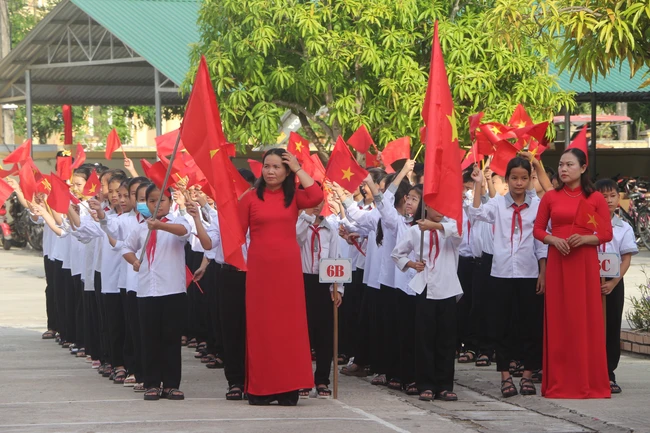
300 109
311 134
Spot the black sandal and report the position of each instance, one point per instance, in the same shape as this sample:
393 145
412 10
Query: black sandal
120 376
342 359
467 357
527 387
235 393
173 394
323 391
48 335
516 369
395 384
380 379
304 392
483 361
215 363
537 376
411 389
152 394
446 396
192 343
614 387
426 395
508 388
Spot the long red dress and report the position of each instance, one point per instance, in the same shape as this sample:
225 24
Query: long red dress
575 360
278 357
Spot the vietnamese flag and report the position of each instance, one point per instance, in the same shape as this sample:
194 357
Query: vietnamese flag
394 151
5 191
203 137
43 183
520 118
27 180
502 156
474 122
64 167
361 140
298 146
165 143
319 169
484 145
79 158
343 168
11 172
155 172
443 181
495 132
93 186
59 198
473 156
256 167
580 142
21 154
372 161
113 143
536 149
587 218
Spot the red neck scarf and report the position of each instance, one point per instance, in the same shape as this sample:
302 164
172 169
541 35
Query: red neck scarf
315 235
433 240
516 218
151 245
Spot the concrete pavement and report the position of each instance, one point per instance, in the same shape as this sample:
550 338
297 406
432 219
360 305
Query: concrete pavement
44 389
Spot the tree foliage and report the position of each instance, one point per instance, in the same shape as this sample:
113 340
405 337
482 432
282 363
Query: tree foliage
367 61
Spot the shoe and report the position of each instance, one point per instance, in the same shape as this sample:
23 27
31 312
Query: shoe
95 364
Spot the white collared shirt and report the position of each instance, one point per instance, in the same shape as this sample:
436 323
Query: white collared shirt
440 274
166 276
623 240
120 228
519 258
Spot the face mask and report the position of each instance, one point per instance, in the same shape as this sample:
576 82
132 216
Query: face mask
469 194
144 210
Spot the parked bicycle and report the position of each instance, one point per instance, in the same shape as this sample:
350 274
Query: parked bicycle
638 213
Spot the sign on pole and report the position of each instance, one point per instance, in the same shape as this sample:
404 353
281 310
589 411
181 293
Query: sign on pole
610 265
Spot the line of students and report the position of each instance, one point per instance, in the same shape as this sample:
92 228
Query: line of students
401 319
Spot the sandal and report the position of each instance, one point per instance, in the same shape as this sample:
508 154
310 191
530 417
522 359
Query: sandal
81 353
119 376
527 387
139 387
304 393
446 396
354 370
467 357
537 376
183 341
411 389
342 359
323 391
130 380
192 343
616 389
172 394
152 394
215 363
483 361
426 395
108 370
379 379
508 388
48 335
207 358
395 384
200 353
234 393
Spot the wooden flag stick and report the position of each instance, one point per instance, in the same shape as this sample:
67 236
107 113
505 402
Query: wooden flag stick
336 345
418 152
123 152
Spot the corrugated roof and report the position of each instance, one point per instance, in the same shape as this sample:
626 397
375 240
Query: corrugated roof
161 31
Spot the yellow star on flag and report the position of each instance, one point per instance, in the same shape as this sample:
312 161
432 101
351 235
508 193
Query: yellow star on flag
213 152
592 220
495 130
521 124
454 130
46 184
92 189
66 153
299 146
347 174
534 151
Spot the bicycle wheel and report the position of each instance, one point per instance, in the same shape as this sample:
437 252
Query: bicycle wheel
643 225
626 217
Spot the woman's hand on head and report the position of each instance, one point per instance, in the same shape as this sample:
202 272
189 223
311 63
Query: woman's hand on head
291 160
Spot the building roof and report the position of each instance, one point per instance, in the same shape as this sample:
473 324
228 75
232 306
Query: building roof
104 52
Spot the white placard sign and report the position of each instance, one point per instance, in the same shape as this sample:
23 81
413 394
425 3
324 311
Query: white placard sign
610 265
335 271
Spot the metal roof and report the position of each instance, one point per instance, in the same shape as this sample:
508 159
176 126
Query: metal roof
104 52
617 86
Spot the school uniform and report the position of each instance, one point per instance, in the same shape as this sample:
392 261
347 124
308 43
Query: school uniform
466 268
50 303
77 263
482 245
438 289
162 301
623 242
318 239
515 268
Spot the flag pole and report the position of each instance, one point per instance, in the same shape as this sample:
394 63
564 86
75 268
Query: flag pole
423 215
164 185
418 152
335 372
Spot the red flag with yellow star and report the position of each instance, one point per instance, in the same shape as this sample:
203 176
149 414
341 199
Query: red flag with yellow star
343 168
43 183
59 198
93 186
587 218
580 142
361 140
520 118
443 181
27 179
203 137
299 146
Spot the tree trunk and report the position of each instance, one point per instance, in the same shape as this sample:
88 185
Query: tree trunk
5 47
311 134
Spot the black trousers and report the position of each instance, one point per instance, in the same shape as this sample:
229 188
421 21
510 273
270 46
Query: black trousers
320 321
128 350
349 314
435 342
232 316
78 287
390 332
506 296
614 302
59 298
132 343
368 351
91 325
50 301
211 284
478 315
197 313
70 306
115 324
161 339
102 327
466 333
406 308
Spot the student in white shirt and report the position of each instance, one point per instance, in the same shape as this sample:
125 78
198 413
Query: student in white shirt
624 244
162 299
438 288
518 269
318 239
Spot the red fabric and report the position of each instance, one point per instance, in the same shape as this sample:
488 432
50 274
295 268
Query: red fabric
151 245
443 182
472 157
21 154
536 149
256 167
165 143
496 132
155 172
483 144
343 168
371 160
276 318
13 171
93 186
112 143
474 122
203 137
319 169
516 222
361 140
5 191
27 180
314 235
67 124
588 219
580 142
502 156
59 198
433 240
520 118
80 157
298 146
64 167
573 303
396 150
43 183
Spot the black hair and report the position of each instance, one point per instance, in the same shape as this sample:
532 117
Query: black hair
136 180
99 168
289 184
124 184
151 188
402 190
555 177
586 183
248 175
418 171
418 212
518 162
377 174
142 185
83 171
116 177
604 185
467 174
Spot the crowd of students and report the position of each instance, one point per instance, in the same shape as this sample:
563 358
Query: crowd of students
424 294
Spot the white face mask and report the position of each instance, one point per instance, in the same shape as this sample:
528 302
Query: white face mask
469 194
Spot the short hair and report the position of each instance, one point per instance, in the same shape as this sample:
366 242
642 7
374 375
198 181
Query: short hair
606 185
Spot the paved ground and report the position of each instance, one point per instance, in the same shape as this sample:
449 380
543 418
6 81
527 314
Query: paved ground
44 389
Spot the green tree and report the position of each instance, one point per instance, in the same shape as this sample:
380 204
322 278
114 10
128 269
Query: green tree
48 120
367 61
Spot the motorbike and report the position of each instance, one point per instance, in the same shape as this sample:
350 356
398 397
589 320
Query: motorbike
5 236
19 230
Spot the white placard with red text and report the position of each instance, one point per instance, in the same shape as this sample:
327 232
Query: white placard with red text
335 271
610 265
